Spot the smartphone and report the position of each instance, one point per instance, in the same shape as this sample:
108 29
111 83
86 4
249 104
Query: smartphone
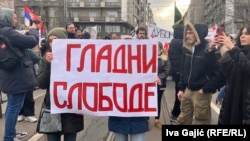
220 30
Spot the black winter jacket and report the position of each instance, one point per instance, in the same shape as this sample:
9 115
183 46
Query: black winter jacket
175 52
198 66
22 77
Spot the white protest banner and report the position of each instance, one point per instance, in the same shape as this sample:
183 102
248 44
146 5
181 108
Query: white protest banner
104 77
159 34
211 32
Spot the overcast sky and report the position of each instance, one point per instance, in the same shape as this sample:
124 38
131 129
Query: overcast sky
163 11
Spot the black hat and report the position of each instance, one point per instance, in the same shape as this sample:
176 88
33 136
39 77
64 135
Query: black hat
86 35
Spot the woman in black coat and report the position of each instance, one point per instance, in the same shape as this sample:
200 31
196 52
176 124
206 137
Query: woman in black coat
235 70
71 123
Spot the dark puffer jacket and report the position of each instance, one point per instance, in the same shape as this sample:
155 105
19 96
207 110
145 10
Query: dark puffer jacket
175 51
198 66
22 77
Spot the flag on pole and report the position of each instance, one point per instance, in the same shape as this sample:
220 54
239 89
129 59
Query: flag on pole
177 16
133 32
29 15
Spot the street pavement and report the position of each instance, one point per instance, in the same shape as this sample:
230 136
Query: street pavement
96 128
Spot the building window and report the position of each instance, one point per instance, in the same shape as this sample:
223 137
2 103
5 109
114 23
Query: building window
73 0
93 14
99 29
94 0
73 14
111 0
112 28
112 14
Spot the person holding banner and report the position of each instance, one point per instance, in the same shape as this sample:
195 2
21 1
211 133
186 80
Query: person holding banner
163 72
136 127
71 123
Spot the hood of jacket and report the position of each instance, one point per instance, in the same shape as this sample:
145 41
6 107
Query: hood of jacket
178 31
200 31
6 15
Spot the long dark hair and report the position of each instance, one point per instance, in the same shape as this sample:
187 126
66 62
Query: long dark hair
238 44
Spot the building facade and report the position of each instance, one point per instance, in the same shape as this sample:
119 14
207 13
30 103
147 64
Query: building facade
232 14
195 12
7 4
119 16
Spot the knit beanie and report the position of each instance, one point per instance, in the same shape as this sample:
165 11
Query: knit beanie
86 35
59 32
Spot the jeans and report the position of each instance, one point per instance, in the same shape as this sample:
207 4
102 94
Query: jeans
57 137
133 137
28 108
221 93
14 105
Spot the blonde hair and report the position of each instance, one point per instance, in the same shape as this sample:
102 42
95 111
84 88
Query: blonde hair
160 45
163 54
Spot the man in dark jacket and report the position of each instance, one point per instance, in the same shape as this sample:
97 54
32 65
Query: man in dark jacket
71 30
20 79
175 53
198 66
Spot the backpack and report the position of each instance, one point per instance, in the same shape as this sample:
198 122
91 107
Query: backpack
9 56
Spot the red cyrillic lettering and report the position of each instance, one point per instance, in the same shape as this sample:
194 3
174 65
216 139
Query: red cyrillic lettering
136 57
77 86
137 87
101 56
95 95
121 50
104 98
125 98
91 48
56 101
152 61
147 94
68 57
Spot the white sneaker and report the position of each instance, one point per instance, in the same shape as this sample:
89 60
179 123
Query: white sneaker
20 135
20 118
16 139
30 119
